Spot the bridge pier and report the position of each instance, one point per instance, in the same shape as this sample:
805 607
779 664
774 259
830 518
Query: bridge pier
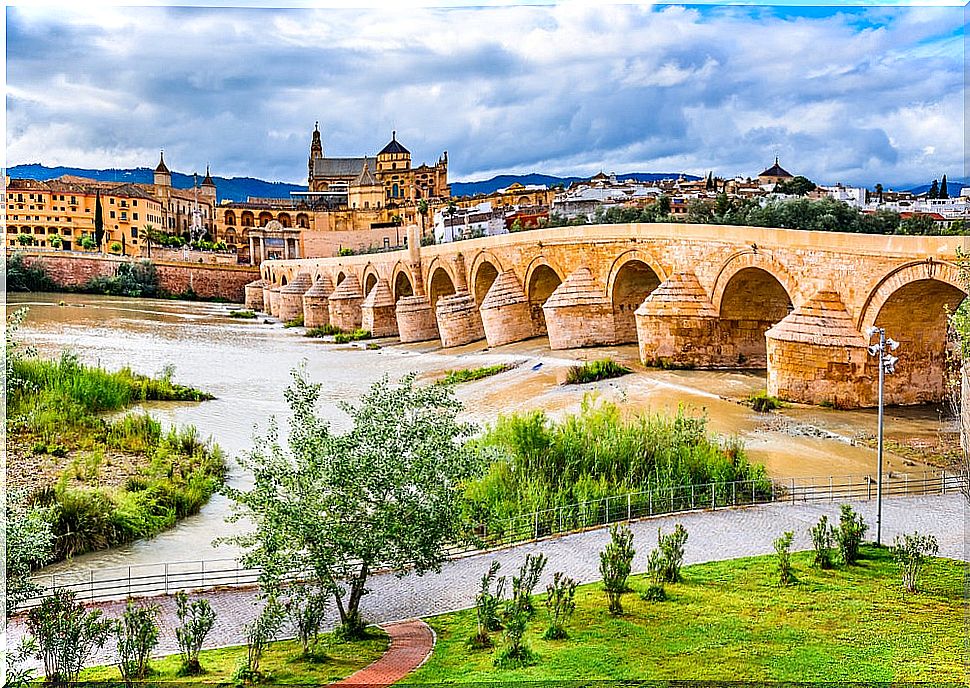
415 319
677 325
378 312
254 295
816 356
316 309
505 312
459 321
274 301
344 304
291 296
578 314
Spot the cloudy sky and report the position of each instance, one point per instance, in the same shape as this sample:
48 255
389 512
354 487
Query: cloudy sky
858 95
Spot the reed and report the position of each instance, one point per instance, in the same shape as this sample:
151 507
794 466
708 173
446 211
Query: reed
593 371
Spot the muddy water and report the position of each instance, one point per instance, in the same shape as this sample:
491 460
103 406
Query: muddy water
247 364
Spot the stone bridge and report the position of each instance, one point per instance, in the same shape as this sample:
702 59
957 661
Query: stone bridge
691 296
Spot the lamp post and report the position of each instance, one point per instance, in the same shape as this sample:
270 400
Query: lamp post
887 364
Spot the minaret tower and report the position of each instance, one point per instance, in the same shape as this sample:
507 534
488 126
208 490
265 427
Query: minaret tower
316 151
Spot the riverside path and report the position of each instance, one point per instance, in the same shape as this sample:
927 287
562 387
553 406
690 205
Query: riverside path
713 536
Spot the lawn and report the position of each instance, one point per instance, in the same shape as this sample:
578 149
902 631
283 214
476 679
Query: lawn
282 662
732 621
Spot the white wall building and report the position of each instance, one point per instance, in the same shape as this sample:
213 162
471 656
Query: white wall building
466 223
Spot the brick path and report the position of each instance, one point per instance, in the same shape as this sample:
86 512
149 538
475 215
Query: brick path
411 643
713 536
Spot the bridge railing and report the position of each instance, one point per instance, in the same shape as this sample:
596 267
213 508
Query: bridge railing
144 580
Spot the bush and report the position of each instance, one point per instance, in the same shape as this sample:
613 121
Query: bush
347 337
23 277
524 584
670 549
487 603
136 279
656 570
115 247
616 562
196 619
603 369
66 634
242 314
259 633
560 604
453 377
783 555
910 553
295 322
327 330
762 402
823 539
137 633
848 536
306 607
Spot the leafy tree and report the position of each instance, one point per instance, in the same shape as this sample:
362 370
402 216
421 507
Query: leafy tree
848 535
29 540
944 192
934 191
384 493
137 634
55 241
66 634
25 239
487 606
24 277
196 619
87 242
671 550
881 221
662 207
306 606
260 633
911 553
918 224
783 556
796 186
823 539
616 562
560 604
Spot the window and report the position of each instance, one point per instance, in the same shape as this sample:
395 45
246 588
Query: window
134 216
111 201
134 232
73 200
111 213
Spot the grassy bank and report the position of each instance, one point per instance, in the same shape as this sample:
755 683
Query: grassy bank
597 453
454 377
282 663
731 621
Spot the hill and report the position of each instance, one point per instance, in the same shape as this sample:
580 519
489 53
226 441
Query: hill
953 187
232 189
503 180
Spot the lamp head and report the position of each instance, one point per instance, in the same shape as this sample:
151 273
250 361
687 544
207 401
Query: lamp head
893 344
873 349
871 330
890 364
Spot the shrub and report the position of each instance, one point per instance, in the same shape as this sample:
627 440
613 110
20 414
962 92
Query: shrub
295 322
23 277
762 402
655 592
88 242
783 555
516 653
196 619
670 549
602 369
616 562
115 247
453 377
137 633
327 330
306 607
347 337
55 241
910 553
66 634
524 584
242 314
823 539
487 606
848 536
560 604
259 633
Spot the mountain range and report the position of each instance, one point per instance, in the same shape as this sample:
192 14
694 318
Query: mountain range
241 188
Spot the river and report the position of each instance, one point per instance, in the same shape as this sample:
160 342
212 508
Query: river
247 365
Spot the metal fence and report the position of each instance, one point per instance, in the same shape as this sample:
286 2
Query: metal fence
157 579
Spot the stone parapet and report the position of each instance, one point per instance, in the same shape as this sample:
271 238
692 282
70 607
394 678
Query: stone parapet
378 312
415 319
505 311
578 313
291 296
254 295
459 321
344 304
316 303
677 325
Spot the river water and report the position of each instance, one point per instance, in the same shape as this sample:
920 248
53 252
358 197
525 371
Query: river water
247 365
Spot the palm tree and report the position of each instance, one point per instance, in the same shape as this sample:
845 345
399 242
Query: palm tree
422 211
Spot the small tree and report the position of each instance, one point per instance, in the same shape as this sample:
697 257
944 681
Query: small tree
19 674
848 536
516 652
259 633
655 592
306 606
196 619
616 562
66 634
487 603
783 554
823 539
910 553
137 633
525 583
560 604
55 241
29 539
25 239
671 549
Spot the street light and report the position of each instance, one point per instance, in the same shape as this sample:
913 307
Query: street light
887 364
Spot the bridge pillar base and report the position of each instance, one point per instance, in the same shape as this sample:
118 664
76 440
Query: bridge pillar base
378 313
415 319
344 304
291 297
505 311
578 314
677 325
254 295
274 302
316 303
459 321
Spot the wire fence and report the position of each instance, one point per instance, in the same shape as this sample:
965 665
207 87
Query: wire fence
143 580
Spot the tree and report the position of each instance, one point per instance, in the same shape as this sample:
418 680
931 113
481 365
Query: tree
306 605
944 193
616 562
879 190
560 604
422 212
849 533
66 634
919 224
196 619
910 553
384 493
663 207
137 633
98 219
796 186
30 541
783 557
487 606
934 191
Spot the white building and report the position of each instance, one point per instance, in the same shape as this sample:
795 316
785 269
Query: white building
467 223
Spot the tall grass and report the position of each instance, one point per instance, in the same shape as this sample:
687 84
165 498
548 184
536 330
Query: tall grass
597 453
592 371
454 377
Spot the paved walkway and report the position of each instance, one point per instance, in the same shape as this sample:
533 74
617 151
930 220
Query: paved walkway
713 536
411 643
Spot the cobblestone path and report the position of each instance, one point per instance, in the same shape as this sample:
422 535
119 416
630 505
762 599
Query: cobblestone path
713 536
411 643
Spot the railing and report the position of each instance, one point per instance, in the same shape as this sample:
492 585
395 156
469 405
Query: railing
144 580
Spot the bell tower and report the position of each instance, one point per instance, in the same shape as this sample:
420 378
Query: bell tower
316 151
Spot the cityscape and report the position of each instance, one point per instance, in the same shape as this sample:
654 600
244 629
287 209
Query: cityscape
496 343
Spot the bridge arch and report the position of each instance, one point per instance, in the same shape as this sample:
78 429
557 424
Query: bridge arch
754 259
402 284
541 279
633 276
370 278
441 281
485 268
341 276
911 303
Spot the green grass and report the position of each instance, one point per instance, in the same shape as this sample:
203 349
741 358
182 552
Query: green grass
282 663
347 337
592 371
453 377
762 402
295 322
242 314
732 621
327 330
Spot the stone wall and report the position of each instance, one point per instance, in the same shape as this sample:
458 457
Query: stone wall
208 281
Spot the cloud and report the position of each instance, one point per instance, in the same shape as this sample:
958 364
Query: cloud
855 95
